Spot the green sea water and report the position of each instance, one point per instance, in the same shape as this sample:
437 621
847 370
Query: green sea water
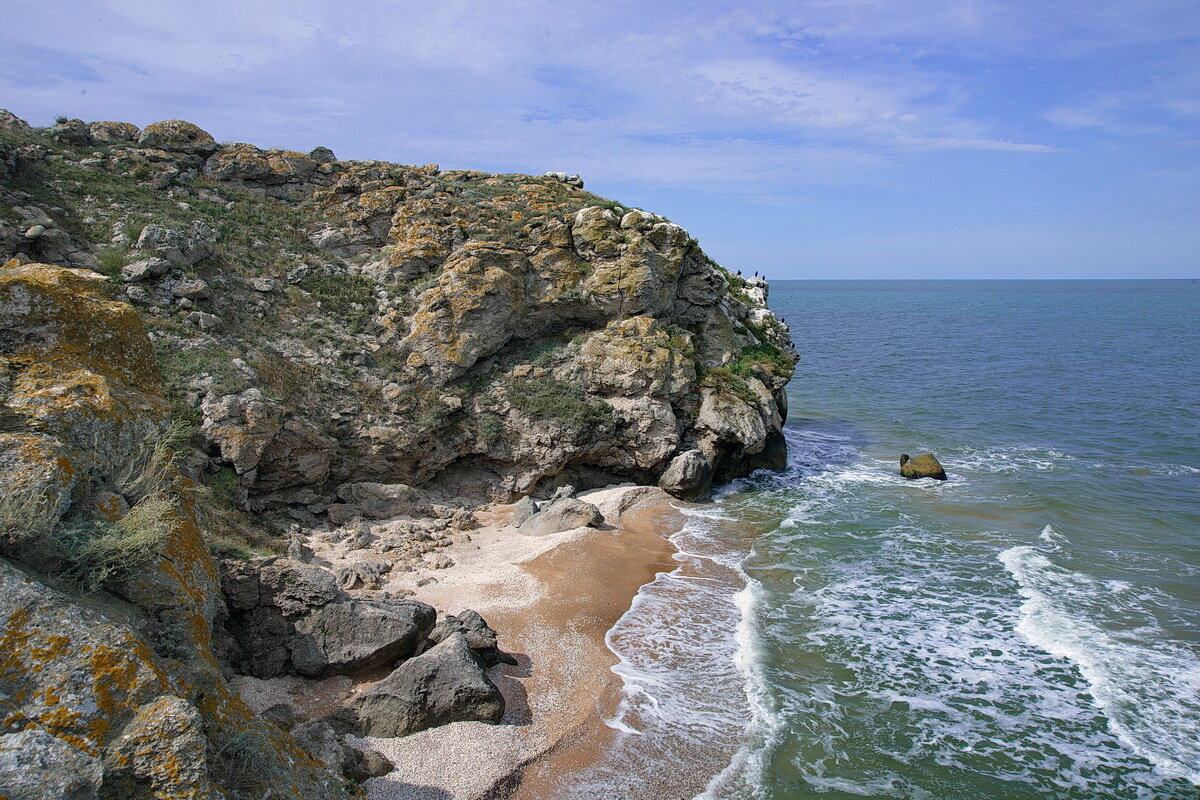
1029 628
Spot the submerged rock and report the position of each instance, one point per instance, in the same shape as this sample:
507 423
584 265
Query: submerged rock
926 466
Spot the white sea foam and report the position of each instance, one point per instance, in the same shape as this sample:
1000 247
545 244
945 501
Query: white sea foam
1147 685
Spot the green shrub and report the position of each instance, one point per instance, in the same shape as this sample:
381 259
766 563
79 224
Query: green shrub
557 400
112 259
238 763
763 357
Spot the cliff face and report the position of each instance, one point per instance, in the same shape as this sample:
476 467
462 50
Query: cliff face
327 323
189 331
113 694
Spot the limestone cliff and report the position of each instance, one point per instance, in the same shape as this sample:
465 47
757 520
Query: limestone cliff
190 331
326 323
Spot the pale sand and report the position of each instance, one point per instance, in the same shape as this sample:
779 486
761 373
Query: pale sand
551 599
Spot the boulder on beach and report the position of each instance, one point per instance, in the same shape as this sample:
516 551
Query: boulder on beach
446 684
344 638
925 466
561 514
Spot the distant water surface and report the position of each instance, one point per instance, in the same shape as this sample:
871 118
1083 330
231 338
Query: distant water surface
1028 629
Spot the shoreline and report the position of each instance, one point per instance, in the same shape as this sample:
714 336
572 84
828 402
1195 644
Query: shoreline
552 601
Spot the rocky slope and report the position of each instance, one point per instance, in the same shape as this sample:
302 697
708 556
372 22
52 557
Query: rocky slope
326 323
216 348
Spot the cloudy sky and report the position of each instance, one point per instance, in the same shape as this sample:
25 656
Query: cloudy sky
807 139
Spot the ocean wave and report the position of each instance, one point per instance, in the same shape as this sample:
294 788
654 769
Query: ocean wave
1148 687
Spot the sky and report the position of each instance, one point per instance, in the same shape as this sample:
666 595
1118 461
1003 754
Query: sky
807 139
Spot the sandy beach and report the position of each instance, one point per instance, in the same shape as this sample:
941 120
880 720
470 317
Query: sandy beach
551 600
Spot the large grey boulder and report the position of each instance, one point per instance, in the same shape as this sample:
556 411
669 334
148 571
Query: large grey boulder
344 638
446 684
689 475
380 500
560 515
295 588
479 635
926 466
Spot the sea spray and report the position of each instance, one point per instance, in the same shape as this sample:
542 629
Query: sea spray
1147 686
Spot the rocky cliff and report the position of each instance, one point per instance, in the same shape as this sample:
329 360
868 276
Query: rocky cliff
324 323
202 344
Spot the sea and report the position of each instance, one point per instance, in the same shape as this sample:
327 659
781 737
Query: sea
1029 628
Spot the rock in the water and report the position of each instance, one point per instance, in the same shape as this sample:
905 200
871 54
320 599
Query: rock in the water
926 466
561 515
446 684
343 638
525 508
479 635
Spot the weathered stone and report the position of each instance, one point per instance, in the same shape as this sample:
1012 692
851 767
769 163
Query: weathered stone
10 121
113 132
365 574
296 588
178 136
242 426
446 684
161 752
688 476
560 515
36 766
523 510
144 269
383 501
358 635
478 634
925 466
178 248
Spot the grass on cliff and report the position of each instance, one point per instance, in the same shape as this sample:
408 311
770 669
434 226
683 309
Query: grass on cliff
556 400
88 551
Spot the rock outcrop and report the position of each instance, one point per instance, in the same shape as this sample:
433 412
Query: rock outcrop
341 323
109 684
926 466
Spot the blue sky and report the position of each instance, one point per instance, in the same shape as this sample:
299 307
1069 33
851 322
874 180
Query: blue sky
809 139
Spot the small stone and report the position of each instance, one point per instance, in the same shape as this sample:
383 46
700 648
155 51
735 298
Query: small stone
144 269
35 231
192 290
262 284
203 320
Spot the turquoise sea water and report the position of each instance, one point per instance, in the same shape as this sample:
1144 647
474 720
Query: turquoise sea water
1028 629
